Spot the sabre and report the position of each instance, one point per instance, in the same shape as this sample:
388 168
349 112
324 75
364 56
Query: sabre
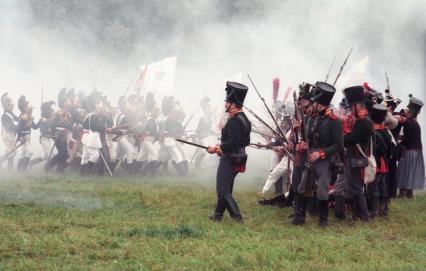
191 143
105 163
341 67
6 156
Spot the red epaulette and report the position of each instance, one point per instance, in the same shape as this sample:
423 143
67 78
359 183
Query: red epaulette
330 114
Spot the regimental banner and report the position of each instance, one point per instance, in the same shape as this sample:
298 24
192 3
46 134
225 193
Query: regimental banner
158 76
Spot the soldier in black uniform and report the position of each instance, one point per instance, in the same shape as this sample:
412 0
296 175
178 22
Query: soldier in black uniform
9 123
392 103
60 128
235 137
324 135
411 167
383 148
361 134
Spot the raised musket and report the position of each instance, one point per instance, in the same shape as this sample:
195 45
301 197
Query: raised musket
341 67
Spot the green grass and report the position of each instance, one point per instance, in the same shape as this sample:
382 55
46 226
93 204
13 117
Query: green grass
72 223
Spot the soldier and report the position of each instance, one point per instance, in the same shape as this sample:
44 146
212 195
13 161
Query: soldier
204 129
45 125
60 129
127 146
149 136
235 137
392 103
324 135
9 123
171 128
383 148
361 134
25 124
93 127
411 168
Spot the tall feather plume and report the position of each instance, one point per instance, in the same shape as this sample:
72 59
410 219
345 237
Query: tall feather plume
275 88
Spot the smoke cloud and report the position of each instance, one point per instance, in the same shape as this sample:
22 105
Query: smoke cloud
102 43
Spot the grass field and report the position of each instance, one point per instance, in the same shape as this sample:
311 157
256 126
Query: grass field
72 223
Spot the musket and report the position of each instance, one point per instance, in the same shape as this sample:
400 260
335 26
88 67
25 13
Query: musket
128 86
269 111
105 162
341 67
272 130
191 143
261 146
6 156
329 70
190 118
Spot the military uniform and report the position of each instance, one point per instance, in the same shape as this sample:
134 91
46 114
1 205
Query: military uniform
324 135
360 134
383 148
9 123
411 167
235 137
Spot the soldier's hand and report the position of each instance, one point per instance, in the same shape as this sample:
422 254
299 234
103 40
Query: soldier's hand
314 156
296 124
108 130
211 149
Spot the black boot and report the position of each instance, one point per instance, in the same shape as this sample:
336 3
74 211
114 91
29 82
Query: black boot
275 201
295 203
339 207
374 206
218 212
323 213
233 209
313 206
383 206
300 211
290 198
361 206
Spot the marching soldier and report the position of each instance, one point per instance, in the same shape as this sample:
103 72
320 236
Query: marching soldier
9 123
45 125
60 129
361 135
235 137
411 168
171 128
93 127
204 129
127 146
324 135
25 124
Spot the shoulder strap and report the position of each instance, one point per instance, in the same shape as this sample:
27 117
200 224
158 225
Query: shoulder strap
362 152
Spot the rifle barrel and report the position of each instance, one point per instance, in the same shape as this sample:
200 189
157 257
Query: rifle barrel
191 143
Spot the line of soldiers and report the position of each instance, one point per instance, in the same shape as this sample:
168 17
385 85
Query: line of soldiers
352 157
87 135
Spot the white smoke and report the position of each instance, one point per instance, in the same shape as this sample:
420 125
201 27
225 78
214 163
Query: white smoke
102 43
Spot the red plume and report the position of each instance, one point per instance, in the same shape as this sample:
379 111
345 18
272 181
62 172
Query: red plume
275 88
286 94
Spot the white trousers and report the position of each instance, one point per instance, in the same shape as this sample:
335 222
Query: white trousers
128 149
46 145
170 150
149 151
89 155
26 148
9 142
279 170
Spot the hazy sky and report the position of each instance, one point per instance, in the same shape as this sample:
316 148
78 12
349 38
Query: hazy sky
102 43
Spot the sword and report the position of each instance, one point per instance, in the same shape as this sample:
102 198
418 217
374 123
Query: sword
6 156
105 163
192 144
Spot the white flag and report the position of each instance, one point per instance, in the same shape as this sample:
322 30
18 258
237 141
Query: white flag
158 76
